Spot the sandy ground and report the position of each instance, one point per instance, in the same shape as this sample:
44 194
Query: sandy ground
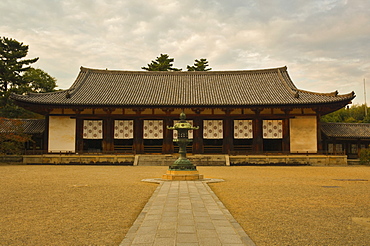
96 205
298 205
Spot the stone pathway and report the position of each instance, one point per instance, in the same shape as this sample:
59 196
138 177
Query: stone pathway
185 213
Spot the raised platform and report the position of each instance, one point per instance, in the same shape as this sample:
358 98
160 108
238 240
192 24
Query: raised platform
309 159
197 160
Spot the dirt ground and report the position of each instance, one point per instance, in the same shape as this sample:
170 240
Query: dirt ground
298 205
96 205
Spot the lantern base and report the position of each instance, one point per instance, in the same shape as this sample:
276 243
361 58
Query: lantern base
182 164
182 175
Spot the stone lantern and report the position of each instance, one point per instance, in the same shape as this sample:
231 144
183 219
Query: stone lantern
182 168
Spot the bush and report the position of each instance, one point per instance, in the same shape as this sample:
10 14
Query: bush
365 157
12 137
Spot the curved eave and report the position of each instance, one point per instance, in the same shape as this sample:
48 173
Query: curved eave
322 107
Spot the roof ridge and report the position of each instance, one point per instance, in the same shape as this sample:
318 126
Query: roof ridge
75 86
290 89
263 70
330 94
37 94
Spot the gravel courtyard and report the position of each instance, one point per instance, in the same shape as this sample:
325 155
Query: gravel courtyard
96 205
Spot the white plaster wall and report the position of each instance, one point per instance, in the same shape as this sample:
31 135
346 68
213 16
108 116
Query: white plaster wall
303 135
62 132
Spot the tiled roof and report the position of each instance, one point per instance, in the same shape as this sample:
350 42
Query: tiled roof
28 126
95 87
346 130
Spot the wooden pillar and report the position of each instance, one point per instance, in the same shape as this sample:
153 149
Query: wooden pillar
45 144
286 131
108 135
198 136
228 136
318 130
79 135
138 136
257 132
167 147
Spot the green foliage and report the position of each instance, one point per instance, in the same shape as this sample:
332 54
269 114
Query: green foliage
354 114
12 138
365 156
11 64
38 81
17 76
162 63
199 65
10 110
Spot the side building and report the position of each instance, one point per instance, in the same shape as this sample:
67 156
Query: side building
345 138
252 111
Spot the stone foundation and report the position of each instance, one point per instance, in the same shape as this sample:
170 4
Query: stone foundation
182 175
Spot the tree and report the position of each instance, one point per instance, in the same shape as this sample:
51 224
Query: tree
199 65
16 75
162 63
354 114
12 66
38 81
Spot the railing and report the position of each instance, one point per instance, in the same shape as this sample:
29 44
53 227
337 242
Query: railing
208 149
212 149
153 149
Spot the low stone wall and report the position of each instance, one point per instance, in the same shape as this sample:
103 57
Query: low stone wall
79 159
312 160
11 159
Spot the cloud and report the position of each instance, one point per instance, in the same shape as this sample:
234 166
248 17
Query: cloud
324 43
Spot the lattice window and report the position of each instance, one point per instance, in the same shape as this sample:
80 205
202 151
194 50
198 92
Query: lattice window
273 129
212 129
339 148
123 129
190 132
243 129
331 148
93 129
153 129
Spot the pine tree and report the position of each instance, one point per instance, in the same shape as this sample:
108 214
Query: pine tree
162 63
199 65
12 66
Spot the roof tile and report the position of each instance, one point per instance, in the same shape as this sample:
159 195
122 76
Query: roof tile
95 87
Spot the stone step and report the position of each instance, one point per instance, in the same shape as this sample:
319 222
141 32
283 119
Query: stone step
167 160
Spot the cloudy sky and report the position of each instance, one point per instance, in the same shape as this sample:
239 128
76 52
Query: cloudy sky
324 43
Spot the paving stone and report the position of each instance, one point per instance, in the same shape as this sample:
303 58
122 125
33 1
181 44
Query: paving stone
167 225
147 229
204 226
166 233
230 239
186 221
168 219
153 216
206 233
187 244
150 223
204 218
186 238
144 238
225 230
164 241
186 229
209 241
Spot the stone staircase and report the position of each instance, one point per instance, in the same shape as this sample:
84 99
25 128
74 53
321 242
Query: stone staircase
167 160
